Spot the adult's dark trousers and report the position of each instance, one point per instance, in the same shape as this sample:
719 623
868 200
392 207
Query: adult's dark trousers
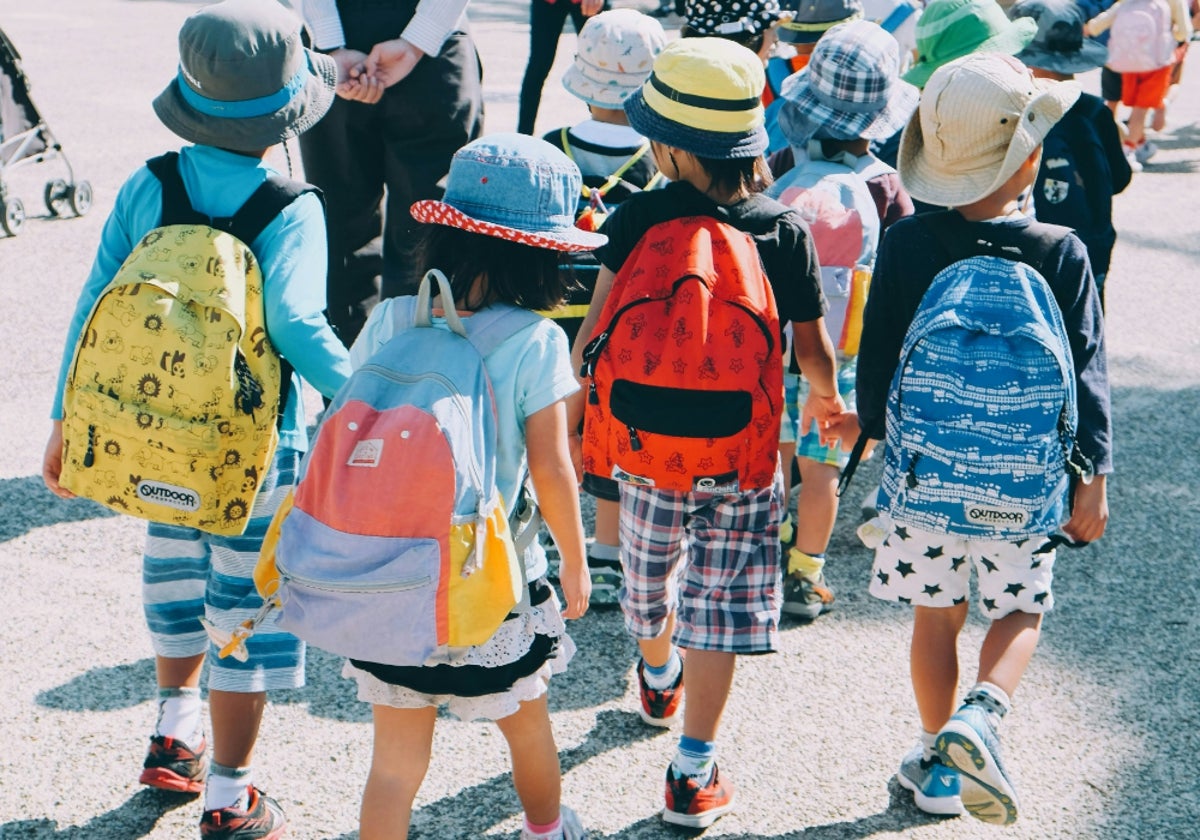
546 22
373 161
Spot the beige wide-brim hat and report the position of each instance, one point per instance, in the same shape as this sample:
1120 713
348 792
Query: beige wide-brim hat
980 118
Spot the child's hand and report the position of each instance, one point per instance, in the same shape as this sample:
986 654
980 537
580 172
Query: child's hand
825 412
577 588
52 463
1089 512
845 429
575 443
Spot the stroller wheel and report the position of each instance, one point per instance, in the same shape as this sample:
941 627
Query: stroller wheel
13 218
56 197
80 197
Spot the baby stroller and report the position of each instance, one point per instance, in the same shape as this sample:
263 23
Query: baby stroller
25 138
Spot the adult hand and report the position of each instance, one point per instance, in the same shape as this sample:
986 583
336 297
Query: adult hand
52 463
392 61
353 82
1089 512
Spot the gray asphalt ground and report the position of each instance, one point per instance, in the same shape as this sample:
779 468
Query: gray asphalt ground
1102 741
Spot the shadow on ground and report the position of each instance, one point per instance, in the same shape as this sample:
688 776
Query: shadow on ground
25 504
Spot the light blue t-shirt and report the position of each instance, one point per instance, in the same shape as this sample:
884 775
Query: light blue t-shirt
291 251
530 370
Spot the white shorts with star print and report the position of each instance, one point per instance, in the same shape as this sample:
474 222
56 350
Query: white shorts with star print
925 569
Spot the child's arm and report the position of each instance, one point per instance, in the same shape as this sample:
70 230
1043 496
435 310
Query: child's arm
814 354
558 498
604 282
1101 21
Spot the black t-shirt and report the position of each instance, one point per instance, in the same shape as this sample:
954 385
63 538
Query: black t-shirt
910 255
785 246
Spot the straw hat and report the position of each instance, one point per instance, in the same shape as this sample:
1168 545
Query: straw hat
980 118
245 82
705 97
514 187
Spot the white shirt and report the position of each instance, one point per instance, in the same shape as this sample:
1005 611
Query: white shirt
428 30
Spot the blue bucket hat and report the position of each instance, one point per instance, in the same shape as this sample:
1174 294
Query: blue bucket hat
514 187
1059 45
850 89
810 19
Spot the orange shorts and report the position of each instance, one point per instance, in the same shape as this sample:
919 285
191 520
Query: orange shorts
1145 90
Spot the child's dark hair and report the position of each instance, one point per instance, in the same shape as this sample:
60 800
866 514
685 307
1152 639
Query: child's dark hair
750 174
752 41
523 275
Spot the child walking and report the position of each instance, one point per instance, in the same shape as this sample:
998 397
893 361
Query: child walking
702 111
615 54
989 116
230 52
507 216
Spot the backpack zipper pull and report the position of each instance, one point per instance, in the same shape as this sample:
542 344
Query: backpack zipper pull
89 457
593 397
910 477
635 442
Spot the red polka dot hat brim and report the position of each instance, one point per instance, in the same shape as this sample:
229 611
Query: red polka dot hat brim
568 238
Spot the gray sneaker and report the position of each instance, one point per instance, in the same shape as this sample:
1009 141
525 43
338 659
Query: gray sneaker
935 787
806 598
969 744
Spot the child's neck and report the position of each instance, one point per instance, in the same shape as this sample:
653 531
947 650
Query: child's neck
613 116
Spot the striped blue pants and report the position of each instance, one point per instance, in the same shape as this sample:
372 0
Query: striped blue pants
187 574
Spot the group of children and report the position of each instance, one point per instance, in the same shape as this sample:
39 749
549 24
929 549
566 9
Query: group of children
677 131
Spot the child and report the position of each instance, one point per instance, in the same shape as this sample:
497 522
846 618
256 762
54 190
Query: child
702 112
616 52
1083 164
847 96
1144 63
232 51
989 116
507 215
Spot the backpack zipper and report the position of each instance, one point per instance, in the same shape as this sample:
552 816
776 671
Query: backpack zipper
326 586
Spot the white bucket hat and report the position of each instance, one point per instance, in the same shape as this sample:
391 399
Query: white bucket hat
980 118
615 55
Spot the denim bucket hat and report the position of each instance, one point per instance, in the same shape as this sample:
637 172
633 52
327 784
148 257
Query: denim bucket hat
950 29
810 19
514 187
980 118
705 97
850 89
245 81
1059 45
615 53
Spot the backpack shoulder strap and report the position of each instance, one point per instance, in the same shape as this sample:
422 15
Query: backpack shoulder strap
954 235
488 328
260 209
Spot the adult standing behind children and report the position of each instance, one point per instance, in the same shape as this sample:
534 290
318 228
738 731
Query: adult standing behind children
409 95
848 95
231 53
702 111
507 216
1083 162
546 19
615 55
989 116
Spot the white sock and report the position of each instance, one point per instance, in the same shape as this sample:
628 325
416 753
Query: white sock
226 787
927 741
664 677
179 712
603 551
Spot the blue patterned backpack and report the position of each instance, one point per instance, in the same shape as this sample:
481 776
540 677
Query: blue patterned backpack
981 413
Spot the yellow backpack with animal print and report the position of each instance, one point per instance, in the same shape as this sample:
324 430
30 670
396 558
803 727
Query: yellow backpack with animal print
172 401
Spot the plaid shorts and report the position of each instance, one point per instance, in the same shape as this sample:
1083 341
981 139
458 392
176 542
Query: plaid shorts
713 559
189 574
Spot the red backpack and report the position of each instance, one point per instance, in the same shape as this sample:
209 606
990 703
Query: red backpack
686 378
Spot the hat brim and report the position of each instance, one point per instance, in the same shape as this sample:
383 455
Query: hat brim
253 134
714 145
1009 41
1091 55
570 239
926 181
596 93
803 116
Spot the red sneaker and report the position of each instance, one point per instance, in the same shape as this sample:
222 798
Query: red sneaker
263 819
173 765
693 806
658 707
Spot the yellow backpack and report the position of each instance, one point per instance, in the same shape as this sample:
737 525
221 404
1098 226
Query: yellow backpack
172 401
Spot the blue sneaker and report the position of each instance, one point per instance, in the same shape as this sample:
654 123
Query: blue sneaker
935 787
969 744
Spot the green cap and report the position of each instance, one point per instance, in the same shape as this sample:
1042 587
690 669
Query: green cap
950 29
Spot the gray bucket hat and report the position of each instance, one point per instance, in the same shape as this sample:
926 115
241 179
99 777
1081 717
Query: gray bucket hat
1059 45
245 82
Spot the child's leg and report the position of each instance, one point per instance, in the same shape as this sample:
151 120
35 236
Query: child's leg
708 675
1137 126
816 508
1008 648
537 776
933 662
399 761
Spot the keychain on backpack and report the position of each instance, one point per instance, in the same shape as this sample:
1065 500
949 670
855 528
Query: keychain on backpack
234 643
